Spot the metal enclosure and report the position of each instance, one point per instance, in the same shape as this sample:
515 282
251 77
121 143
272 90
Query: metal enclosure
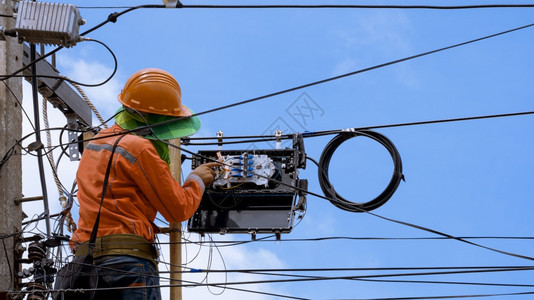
48 23
247 207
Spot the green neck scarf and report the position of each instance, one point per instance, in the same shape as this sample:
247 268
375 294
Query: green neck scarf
127 120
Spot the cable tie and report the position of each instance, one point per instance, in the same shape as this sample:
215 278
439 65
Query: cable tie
348 130
195 271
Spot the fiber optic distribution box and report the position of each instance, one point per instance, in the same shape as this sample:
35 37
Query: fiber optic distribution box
48 23
255 191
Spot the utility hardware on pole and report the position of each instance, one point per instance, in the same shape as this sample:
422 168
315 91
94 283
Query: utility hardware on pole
10 133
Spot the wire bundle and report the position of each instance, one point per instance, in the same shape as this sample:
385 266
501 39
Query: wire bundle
328 188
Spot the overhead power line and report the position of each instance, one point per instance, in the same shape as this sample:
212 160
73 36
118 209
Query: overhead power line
323 6
272 238
450 297
303 86
282 271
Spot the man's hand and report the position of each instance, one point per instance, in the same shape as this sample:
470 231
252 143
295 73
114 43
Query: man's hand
205 172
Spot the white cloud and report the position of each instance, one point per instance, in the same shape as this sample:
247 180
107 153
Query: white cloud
234 257
103 97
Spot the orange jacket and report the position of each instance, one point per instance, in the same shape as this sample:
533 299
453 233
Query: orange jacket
139 185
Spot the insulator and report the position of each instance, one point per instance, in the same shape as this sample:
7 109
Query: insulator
36 291
36 251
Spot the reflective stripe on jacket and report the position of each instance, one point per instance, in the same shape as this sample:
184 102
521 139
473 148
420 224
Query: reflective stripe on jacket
140 185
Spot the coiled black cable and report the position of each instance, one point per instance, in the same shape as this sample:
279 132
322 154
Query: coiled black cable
329 190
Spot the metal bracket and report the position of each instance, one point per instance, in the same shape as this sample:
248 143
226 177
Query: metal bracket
220 139
72 125
278 136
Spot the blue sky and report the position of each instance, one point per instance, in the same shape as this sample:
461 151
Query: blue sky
469 178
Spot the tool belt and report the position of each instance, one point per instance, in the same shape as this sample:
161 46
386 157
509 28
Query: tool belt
120 244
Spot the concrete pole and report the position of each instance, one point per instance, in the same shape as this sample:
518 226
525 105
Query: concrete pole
175 235
10 132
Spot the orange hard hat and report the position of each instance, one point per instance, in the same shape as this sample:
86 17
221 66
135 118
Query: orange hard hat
154 91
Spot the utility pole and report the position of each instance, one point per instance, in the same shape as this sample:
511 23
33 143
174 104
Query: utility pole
10 133
175 235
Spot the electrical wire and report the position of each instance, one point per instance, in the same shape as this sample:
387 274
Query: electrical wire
73 81
370 127
362 70
111 18
422 228
283 271
191 283
450 297
404 223
339 6
449 282
269 238
239 103
185 141
20 104
346 277
302 278
328 188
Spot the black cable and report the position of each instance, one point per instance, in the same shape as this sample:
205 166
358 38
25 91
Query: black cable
33 62
20 104
336 131
191 284
319 6
331 238
359 71
7 155
448 282
393 220
109 77
359 269
111 18
74 81
320 81
185 141
401 281
328 188
306 278
355 208
340 76
449 297
350 277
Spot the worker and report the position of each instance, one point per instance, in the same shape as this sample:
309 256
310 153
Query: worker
139 185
